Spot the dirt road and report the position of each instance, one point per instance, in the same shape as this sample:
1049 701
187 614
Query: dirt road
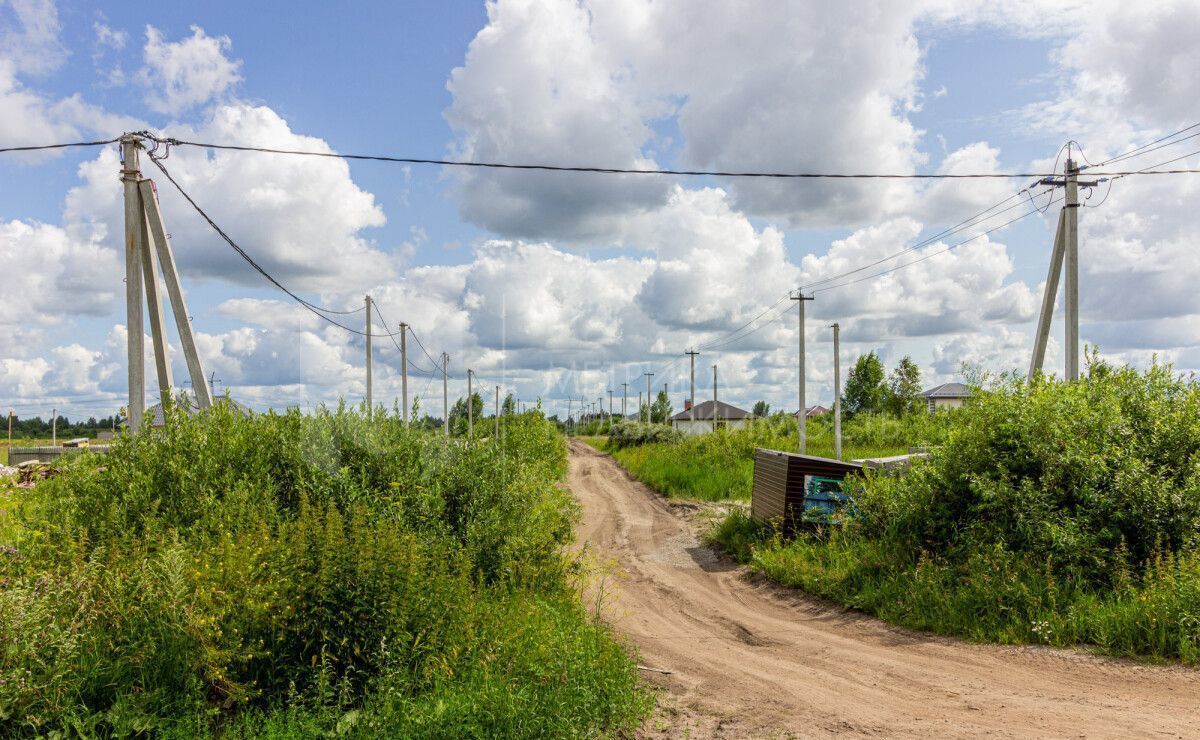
750 660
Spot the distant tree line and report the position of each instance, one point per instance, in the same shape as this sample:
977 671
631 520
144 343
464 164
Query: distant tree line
36 427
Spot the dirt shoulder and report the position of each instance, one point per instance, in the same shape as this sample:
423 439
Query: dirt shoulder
747 659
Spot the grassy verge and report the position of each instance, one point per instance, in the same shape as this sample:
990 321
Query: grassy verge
720 466
300 576
1058 514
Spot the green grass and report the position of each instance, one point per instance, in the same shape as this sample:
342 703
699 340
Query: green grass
299 576
720 466
1053 513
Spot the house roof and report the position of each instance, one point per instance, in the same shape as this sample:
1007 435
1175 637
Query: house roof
816 410
704 412
948 390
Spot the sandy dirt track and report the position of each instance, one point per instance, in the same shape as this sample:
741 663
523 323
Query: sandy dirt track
751 660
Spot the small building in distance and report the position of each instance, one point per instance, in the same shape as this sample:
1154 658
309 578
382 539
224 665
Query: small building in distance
813 411
947 396
727 417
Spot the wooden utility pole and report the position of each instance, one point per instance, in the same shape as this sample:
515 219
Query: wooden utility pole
470 406
370 406
404 369
802 416
837 392
135 220
446 393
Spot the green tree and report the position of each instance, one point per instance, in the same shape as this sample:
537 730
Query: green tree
660 410
762 409
458 413
509 406
904 388
865 388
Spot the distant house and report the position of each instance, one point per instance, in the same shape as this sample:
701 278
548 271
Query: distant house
947 396
727 417
813 411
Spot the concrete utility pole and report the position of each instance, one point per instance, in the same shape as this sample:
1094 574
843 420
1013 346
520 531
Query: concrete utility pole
624 400
497 412
1066 252
648 376
147 249
692 394
404 370
802 417
837 392
1071 316
569 423
714 414
639 405
53 427
446 393
183 320
135 220
470 406
1048 294
610 394
10 418
370 407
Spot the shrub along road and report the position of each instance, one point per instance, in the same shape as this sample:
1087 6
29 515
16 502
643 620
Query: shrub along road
748 659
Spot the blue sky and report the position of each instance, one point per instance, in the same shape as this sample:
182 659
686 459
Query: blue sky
562 285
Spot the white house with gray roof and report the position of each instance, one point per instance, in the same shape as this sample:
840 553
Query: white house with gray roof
947 396
727 417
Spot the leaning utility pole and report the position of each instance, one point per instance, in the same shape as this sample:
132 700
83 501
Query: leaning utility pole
837 392
648 376
147 250
470 406
370 406
446 394
714 414
802 416
1066 252
404 369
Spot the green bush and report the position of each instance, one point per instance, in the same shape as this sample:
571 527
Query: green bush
1052 512
281 573
720 466
633 433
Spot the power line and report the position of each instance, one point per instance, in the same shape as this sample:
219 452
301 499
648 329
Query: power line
43 147
313 308
623 170
939 252
1150 143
